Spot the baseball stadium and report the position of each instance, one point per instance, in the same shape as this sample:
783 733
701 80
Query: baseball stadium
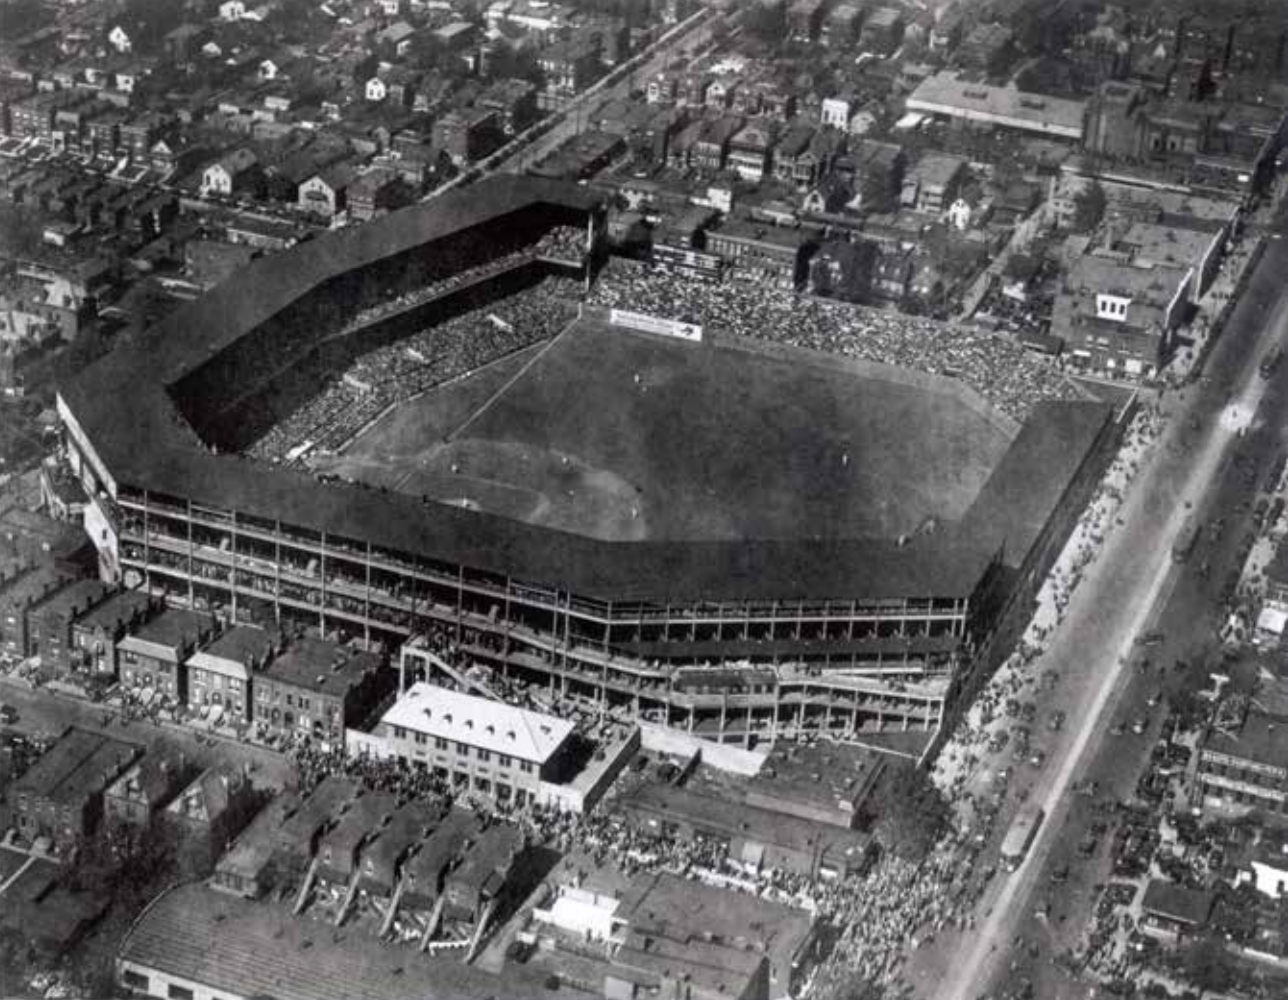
420 428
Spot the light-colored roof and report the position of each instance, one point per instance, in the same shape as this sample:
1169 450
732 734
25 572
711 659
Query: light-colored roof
492 725
944 94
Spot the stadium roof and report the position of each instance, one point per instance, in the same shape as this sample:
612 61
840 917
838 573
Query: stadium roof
121 402
480 722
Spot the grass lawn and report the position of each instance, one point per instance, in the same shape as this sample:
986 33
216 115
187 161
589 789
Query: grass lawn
628 436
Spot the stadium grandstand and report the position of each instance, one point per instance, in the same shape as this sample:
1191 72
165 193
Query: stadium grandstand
818 615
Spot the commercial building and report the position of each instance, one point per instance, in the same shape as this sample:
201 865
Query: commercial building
662 935
61 795
1247 768
483 746
753 836
1117 316
944 95
771 255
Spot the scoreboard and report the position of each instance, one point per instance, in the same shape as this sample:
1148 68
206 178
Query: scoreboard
691 263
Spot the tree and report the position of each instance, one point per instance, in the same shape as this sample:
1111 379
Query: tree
912 813
1089 207
1209 966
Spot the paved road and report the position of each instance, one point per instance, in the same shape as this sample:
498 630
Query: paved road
1127 587
42 712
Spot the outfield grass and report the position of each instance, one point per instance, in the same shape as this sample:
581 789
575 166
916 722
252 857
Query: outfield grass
629 436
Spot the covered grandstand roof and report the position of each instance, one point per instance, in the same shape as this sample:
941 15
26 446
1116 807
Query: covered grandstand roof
121 410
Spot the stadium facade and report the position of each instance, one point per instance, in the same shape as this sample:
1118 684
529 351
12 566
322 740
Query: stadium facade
740 641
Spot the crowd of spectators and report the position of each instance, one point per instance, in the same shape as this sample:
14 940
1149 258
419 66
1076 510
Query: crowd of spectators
399 371
1001 370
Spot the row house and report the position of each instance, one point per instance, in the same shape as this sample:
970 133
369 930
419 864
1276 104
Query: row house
152 658
61 795
209 812
219 675
318 689
711 151
135 799
49 623
771 255
95 633
18 593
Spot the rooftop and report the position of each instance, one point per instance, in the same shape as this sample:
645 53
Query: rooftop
117 609
321 666
1176 902
479 722
237 651
78 765
172 629
1166 244
944 93
196 933
1260 739
248 855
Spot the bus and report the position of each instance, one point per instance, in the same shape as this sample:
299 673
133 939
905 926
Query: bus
1185 540
1020 836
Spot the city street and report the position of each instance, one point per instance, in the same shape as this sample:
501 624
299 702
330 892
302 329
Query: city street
43 713
1132 588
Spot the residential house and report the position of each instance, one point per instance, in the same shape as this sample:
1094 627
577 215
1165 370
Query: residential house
711 151
836 110
805 20
893 273
840 26
61 795
136 798
844 270
514 101
479 884
233 173
933 182
721 92
95 633
153 656
119 39
18 592
341 847
750 150
795 141
569 67
882 31
49 623
212 810
375 191
221 674
468 135
317 688
326 193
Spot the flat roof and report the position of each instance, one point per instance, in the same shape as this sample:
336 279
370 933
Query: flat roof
1168 244
238 946
945 94
1260 739
479 722
1177 902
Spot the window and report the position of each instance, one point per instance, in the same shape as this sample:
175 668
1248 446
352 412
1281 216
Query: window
525 766
135 980
440 743
462 749
400 733
484 755
483 785
421 738
503 760
177 992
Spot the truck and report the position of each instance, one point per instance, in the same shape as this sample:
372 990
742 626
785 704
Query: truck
1018 838
1185 539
